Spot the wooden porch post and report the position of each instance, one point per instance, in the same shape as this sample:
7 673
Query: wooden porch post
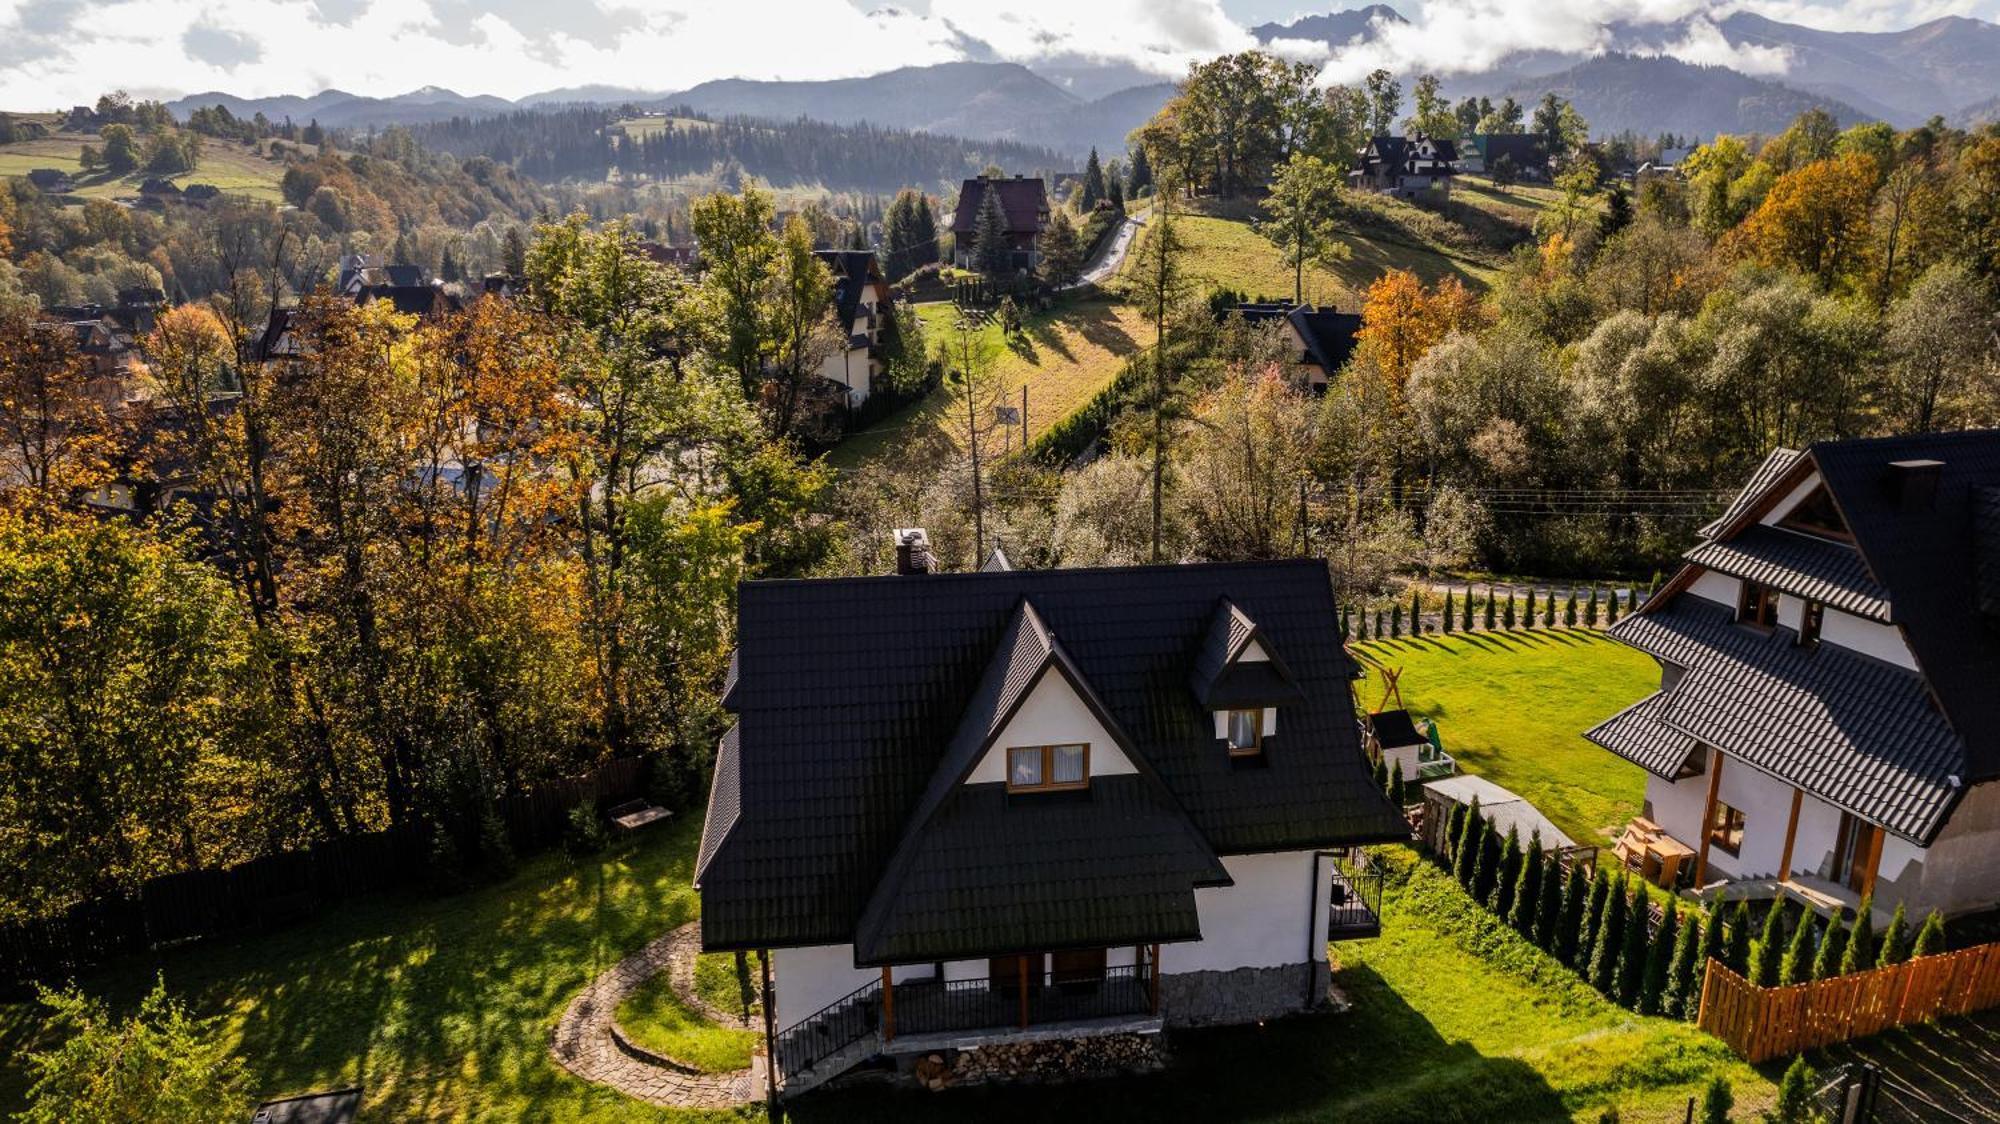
770 1032
1022 963
1874 862
1707 817
888 1005
1791 830
1153 979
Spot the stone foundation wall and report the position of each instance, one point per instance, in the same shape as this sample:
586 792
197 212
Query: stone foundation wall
1240 995
1073 1059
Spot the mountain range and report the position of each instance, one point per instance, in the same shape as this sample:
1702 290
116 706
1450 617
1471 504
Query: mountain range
1948 66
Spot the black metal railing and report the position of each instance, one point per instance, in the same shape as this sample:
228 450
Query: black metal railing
829 1030
1354 908
934 1006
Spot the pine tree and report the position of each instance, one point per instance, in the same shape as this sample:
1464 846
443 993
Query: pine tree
1345 634
1093 184
1361 630
1416 614
1930 938
448 269
1712 939
1767 956
1528 618
1660 956
1466 862
1486 867
1381 775
1528 887
1508 618
1610 940
1549 610
1450 616
514 253
1380 632
1683 982
1593 922
1507 876
1635 950
1396 619
1114 191
1860 952
1569 610
1795 1095
1454 835
1590 609
1549 910
1465 624
992 252
1737 950
1570 925
1398 794
1489 610
1797 965
1140 179
1832 943
1611 609
1717 1102
1895 940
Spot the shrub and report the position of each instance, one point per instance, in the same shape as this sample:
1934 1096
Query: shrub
1717 1102
1860 951
1454 834
585 834
1610 940
1508 620
1381 774
1569 610
1466 861
1466 623
1449 614
1930 938
1507 876
1795 1094
1660 954
1528 888
1593 920
1549 910
1590 609
1396 619
1528 618
1768 953
1416 613
1737 951
1486 868
1683 988
1569 926
1635 950
1398 794
160 1064
1798 963
1895 940
1611 609
1489 610
1549 609
1832 943
1380 631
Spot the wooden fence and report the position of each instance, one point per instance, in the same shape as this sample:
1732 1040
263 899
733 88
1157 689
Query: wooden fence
1762 1023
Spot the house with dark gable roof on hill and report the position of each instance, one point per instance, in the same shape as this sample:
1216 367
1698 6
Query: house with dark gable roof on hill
1406 166
864 318
1025 205
973 808
1828 720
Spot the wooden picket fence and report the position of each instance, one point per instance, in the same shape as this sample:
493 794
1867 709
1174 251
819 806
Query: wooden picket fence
1761 1023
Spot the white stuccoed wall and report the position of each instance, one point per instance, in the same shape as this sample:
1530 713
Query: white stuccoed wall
804 980
1260 922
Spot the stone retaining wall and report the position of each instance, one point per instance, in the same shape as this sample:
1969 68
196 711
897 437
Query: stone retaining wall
1240 995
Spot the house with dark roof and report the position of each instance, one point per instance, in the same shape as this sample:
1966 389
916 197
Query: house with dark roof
1406 166
1320 339
1828 719
864 316
968 808
1022 201
1524 151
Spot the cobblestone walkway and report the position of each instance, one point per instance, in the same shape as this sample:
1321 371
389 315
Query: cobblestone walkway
584 1045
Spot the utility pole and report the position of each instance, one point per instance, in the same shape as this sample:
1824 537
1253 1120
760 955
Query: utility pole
965 333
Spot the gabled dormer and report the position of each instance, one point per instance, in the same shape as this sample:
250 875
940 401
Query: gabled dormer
1242 683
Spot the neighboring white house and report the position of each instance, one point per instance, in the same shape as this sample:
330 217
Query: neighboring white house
959 809
863 315
1828 723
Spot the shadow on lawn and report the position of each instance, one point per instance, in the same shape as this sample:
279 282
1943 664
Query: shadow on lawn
1382 1061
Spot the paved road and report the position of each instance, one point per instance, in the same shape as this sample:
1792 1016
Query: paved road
1113 254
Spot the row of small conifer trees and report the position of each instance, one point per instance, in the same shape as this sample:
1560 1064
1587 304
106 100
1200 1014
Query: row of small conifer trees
1600 925
1465 614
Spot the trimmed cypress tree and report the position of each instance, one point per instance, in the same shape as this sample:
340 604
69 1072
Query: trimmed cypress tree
1610 940
1344 633
1768 954
1738 948
1590 609
1895 940
1397 791
1717 1102
1416 613
1712 932
1507 878
1635 950
1683 979
1396 620
1569 925
1381 772
1548 909
1549 609
1795 1094
1569 609
1508 617
1486 870
1660 956
1380 632
1797 967
1454 834
1466 863
1593 921
1528 887
1361 627
1832 943
1528 618
1611 609
1859 954
1930 938
1465 624
1489 609
1450 615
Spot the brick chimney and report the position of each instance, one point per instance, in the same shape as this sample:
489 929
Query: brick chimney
913 552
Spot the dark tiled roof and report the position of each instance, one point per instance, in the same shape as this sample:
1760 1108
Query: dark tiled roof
1637 734
410 300
725 800
1926 559
853 271
1775 466
1855 732
1021 199
1393 728
851 693
1330 336
994 874
1799 564
1986 548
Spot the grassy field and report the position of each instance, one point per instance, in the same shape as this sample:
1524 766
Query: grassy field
231 167
657 1019
1063 357
1512 707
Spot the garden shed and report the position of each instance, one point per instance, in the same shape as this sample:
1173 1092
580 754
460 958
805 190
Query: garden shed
1501 807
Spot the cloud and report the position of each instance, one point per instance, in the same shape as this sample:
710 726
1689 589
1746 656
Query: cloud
220 47
1704 44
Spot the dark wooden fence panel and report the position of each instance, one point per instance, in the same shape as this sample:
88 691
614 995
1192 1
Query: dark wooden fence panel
1762 1023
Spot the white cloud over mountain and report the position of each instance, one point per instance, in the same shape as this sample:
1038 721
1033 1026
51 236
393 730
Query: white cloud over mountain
54 53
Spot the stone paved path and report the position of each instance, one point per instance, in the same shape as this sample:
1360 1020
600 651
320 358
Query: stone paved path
583 1043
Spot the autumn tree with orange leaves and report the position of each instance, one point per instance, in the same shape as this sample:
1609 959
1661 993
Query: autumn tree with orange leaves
57 432
1816 220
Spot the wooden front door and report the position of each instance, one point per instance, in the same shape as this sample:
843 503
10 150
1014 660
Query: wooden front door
1855 852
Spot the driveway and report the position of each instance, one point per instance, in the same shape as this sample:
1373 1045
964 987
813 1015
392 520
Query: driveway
1113 254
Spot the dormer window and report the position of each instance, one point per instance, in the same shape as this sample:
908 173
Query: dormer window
1246 733
1810 619
1048 768
1758 606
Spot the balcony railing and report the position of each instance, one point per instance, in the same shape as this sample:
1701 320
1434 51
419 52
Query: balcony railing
830 1030
938 1006
1354 907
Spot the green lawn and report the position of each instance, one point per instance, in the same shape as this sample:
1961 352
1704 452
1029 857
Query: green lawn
1063 356
656 1018
231 167
1512 706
